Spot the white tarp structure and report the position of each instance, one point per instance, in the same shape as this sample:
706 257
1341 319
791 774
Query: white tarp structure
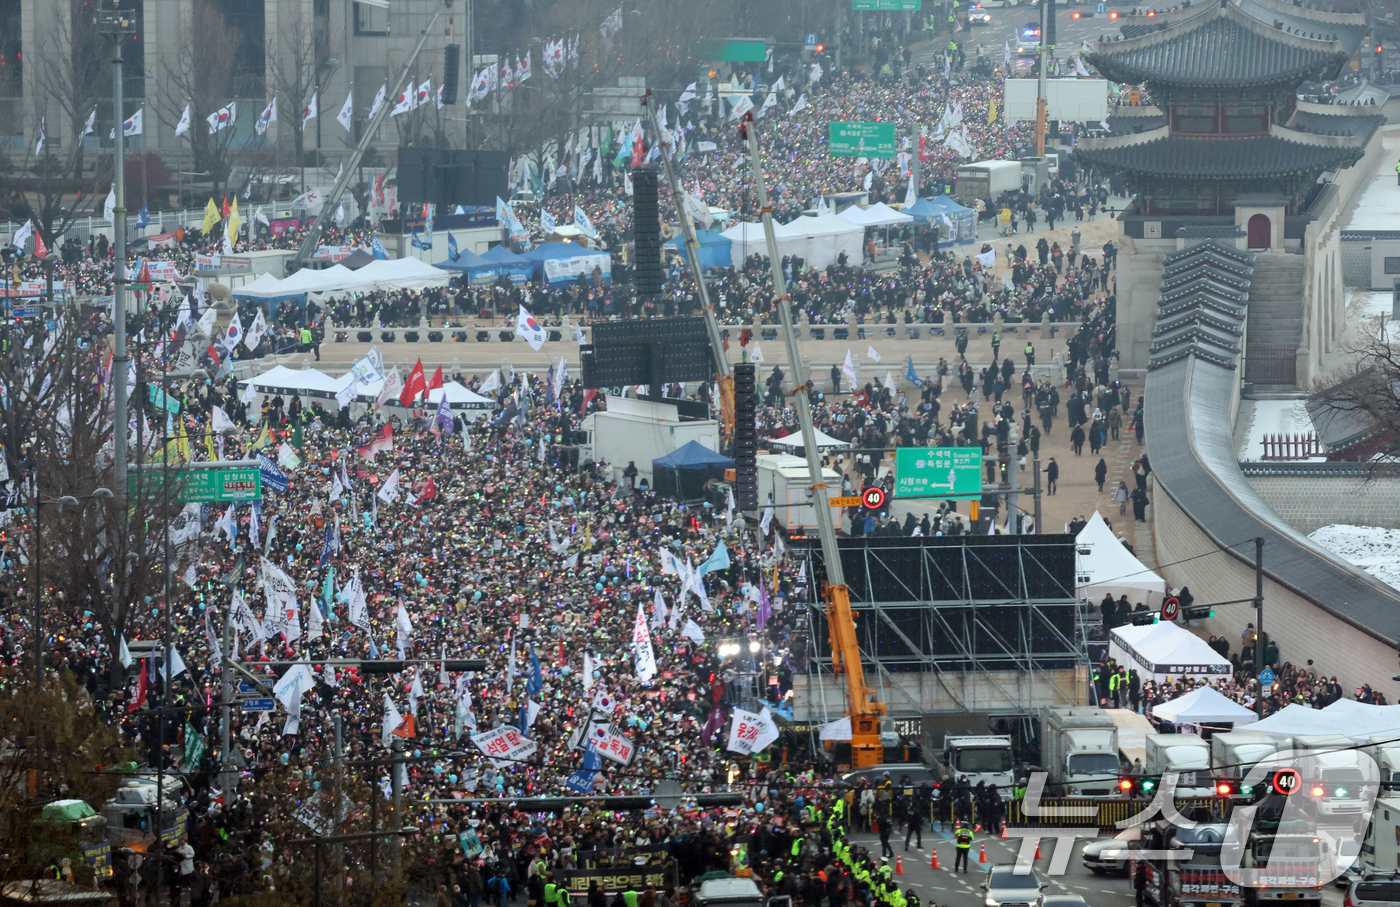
1159 651
877 215
820 240
1110 569
794 440
745 239
312 382
1347 717
1204 706
399 273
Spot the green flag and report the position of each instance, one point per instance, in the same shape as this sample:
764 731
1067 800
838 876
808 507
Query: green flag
297 441
195 747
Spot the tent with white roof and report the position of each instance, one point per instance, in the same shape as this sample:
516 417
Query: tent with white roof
1159 651
1111 569
794 440
877 215
1204 706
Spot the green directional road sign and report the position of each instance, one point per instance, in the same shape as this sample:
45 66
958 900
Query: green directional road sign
886 5
861 139
196 485
938 472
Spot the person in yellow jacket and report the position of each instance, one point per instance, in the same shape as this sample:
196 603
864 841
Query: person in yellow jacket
962 837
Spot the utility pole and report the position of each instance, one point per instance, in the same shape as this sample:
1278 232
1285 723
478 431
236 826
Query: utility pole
1259 642
1047 9
1035 463
228 775
117 26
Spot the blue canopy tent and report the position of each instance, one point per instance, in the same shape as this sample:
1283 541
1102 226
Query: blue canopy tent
512 266
480 271
933 210
683 472
563 262
714 249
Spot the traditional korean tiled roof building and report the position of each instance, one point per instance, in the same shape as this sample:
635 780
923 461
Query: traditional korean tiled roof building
1225 74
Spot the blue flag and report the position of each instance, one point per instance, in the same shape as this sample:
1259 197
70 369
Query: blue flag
452 252
329 544
536 681
419 243
717 561
581 781
144 218
379 251
909 371
272 475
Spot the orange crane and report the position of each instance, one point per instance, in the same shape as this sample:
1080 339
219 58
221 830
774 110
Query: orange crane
863 707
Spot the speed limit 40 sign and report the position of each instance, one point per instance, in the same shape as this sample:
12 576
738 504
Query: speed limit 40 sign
873 498
1286 781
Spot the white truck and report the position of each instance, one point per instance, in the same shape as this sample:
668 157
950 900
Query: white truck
986 180
1385 750
787 482
1079 750
987 758
1380 850
639 431
1185 754
1336 775
1234 753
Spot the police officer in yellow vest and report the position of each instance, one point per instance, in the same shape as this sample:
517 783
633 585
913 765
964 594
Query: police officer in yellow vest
962 836
629 896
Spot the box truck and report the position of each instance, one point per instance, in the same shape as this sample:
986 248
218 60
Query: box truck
1079 750
986 180
1185 754
787 482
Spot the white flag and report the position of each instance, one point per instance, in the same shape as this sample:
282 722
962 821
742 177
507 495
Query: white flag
871 354
392 720
347 112
492 382
23 233
310 112
378 100
757 354
849 370
641 648
92 118
181 127
389 491
109 208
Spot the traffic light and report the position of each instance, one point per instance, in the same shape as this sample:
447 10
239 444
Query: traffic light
1143 618
1148 785
1126 785
1224 788
1198 612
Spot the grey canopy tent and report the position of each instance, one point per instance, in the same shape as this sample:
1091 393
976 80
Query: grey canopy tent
683 472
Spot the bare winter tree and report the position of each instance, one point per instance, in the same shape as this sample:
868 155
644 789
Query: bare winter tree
1364 405
200 75
297 67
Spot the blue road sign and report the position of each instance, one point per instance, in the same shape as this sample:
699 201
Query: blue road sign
1100 9
27 311
811 40
1266 676
246 689
259 705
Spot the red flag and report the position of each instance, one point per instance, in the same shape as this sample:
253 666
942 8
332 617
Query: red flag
382 440
436 381
143 277
427 492
637 150
406 729
416 384
226 209
588 396
138 695
40 250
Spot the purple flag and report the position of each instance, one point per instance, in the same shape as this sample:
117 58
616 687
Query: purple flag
712 726
765 608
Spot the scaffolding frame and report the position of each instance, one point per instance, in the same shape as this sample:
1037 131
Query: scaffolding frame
970 606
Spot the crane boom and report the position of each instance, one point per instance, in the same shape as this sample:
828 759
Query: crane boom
863 706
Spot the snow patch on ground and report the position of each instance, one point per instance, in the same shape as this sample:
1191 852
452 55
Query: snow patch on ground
1275 417
1375 550
1378 208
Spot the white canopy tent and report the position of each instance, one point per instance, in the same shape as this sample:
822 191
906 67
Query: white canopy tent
1110 569
1159 651
824 441
409 273
461 401
745 239
820 240
283 380
1204 706
877 215
1356 720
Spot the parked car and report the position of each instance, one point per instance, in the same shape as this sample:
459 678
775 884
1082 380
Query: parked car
978 15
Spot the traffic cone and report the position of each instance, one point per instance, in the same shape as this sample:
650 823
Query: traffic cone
1004 835
1037 850
933 864
898 865
982 854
